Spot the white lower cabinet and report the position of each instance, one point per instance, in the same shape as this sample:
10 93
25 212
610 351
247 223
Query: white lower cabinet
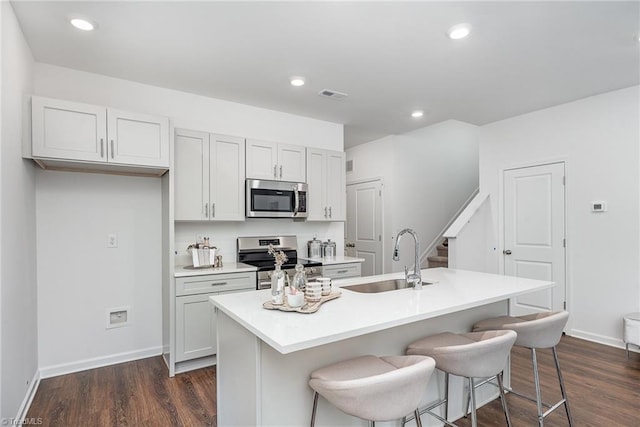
195 319
342 271
195 327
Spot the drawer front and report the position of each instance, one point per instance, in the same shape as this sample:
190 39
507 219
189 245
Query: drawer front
341 271
216 283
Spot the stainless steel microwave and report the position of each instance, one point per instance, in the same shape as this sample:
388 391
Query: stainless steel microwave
276 199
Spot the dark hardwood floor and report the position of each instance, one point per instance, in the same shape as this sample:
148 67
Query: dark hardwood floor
603 389
602 386
137 393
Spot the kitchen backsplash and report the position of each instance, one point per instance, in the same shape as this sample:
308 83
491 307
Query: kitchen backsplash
223 235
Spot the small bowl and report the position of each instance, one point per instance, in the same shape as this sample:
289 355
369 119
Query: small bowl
295 300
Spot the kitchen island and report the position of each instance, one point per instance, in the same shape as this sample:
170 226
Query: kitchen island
265 357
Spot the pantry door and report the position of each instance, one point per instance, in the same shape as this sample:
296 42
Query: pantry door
534 234
364 225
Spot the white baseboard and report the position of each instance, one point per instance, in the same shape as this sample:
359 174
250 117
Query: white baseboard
600 339
98 362
28 397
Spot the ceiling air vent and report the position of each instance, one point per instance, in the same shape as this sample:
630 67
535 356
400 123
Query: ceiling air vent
332 94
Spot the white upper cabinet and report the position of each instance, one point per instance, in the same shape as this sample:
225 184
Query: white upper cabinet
191 175
72 131
226 178
137 139
68 130
209 177
273 161
326 179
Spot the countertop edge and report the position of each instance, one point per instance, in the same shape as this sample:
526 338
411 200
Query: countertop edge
231 267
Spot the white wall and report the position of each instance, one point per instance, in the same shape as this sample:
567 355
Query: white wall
18 333
599 138
428 175
67 276
376 160
79 278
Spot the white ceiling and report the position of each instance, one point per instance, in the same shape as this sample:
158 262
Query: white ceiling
389 57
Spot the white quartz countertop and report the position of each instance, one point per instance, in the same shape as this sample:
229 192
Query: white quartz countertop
338 259
355 314
227 267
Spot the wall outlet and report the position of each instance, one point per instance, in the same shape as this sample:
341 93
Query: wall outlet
200 237
118 317
112 240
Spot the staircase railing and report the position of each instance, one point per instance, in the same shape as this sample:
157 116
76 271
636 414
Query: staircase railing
432 247
469 226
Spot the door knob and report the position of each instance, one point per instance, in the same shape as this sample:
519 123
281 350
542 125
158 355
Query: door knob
507 252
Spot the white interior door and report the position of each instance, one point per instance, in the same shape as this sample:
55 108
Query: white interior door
534 234
364 225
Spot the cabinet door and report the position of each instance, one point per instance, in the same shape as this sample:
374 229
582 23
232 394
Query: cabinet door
195 327
227 157
68 130
316 199
191 175
291 163
137 139
261 159
336 186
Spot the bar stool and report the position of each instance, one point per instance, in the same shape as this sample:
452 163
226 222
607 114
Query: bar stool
539 330
373 388
470 355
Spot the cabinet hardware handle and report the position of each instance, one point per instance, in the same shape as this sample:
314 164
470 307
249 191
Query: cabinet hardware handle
218 283
213 210
280 171
275 171
330 214
325 212
507 252
101 147
206 210
112 148
342 271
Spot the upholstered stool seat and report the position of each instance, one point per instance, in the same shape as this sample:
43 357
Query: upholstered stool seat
539 330
470 355
373 388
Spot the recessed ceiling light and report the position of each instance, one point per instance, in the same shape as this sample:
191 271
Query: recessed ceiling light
82 24
297 81
417 113
459 31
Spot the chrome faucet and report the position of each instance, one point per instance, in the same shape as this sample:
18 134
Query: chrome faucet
414 278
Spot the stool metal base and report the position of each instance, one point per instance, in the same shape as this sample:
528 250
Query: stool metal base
538 399
471 396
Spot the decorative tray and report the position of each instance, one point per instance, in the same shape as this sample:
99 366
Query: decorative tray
307 307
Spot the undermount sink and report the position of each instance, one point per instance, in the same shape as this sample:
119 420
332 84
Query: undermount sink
383 286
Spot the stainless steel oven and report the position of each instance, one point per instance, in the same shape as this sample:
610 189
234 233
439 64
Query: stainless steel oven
275 199
253 251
